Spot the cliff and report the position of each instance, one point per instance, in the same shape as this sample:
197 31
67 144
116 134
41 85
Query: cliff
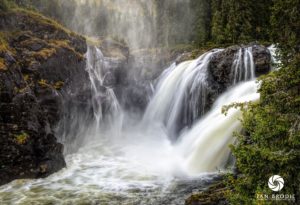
41 65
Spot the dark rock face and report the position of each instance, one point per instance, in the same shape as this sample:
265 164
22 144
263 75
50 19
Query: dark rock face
221 68
262 59
221 64
43 69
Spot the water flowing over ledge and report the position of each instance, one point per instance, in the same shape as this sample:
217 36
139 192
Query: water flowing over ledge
142 162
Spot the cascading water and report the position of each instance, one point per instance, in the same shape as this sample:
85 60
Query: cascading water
104 100
243 65
205 145
174 87
139 164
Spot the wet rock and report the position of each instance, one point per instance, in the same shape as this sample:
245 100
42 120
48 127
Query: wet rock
43 74
262 60
221 66
9 58
214 195
184 57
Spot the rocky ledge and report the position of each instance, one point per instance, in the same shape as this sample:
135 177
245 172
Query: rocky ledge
41 65
214 195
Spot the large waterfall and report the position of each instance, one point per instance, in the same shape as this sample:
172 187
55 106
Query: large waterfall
144 161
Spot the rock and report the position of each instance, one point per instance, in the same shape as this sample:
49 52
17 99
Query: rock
214 195
262 60
184 57
45 72
221 64
9 58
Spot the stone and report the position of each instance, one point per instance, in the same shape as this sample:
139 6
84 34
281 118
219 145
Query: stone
31 105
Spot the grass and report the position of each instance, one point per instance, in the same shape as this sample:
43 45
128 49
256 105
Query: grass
45 53
42 19
21 138
58 85
2 65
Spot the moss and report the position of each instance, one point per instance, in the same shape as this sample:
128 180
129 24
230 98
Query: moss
40 19
45 53
21 138
92 41
215 194
3 42
43 83
66 45
58 85
2 65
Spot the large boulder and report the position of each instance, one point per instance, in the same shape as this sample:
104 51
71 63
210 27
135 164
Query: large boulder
41 68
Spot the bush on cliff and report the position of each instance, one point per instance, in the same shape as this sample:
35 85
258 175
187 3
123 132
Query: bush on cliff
271 142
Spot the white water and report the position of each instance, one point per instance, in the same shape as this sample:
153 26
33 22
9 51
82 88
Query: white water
205 146
188 78
140 164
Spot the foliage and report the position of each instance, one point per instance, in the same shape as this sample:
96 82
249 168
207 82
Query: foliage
21 138
240 21
271 142
285 21
202 21
5 5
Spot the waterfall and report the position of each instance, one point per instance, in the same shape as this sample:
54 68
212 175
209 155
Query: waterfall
121 161
103 97
205 145
179 86
80 128
243 66
274 57
182 90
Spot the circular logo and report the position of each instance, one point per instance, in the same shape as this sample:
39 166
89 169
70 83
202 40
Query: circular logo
276 183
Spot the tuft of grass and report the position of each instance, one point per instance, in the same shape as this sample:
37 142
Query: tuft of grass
21 138
3 42
41 19
43 83
58 85
45 53
2 65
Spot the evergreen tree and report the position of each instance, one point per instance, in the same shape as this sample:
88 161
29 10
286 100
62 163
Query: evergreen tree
285 22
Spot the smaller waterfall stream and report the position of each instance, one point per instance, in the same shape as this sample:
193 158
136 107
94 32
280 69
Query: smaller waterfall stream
104 100
243 65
